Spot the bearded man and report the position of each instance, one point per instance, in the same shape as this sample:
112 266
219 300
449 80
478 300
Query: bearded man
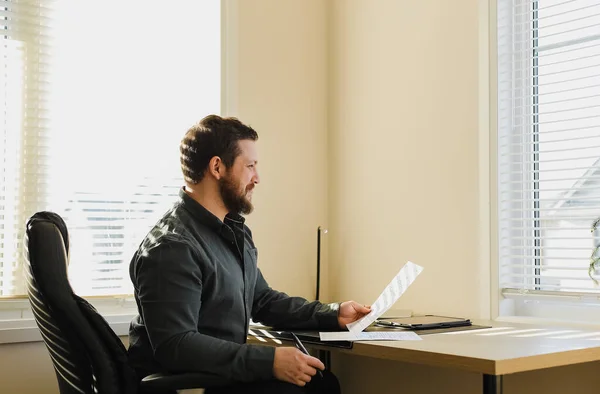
197 283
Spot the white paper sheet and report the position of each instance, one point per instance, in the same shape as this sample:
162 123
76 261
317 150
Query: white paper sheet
389 296
369 336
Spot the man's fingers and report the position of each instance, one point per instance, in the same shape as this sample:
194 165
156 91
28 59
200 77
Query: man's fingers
310 370
300 382
315 362
362 308
301 378
305 378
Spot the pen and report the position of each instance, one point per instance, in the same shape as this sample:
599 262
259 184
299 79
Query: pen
301 347
387 323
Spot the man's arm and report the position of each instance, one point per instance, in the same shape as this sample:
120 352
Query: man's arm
277 309
169 284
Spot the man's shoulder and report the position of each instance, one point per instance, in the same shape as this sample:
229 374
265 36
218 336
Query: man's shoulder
168 235
169 231
160 241
177 230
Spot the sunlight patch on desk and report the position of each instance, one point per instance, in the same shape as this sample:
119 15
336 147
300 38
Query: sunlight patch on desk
545 332
476 331
510 333
528 332
580 335
256 336
269 335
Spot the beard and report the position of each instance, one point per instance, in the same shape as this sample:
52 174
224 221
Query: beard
234 200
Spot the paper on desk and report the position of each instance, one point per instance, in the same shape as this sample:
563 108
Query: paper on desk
369 336
389 296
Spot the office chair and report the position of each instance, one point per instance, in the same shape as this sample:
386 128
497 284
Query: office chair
88 357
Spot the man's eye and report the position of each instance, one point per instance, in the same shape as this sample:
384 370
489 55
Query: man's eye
251 166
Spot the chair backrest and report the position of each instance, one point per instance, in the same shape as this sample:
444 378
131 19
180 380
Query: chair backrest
87 355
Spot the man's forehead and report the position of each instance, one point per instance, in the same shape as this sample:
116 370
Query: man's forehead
248 149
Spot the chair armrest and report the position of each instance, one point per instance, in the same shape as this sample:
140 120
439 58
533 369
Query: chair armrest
161 382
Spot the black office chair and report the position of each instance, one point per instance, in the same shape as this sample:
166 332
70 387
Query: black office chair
88 356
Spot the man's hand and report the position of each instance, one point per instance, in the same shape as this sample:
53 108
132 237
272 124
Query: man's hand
293 366
351 311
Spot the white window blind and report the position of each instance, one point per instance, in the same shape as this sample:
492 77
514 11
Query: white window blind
94 99
548 146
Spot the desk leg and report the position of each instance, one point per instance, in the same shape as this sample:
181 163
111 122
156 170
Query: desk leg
492 384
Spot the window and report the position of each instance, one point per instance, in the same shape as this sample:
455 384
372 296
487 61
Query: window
94 99
548 152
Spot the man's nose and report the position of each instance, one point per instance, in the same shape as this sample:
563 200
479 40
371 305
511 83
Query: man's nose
256 178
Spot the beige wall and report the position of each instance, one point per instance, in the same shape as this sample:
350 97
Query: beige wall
278 69
404 150
26 368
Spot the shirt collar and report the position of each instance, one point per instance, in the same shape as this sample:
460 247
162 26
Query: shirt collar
206 217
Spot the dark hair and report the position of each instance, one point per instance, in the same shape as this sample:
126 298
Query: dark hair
212 136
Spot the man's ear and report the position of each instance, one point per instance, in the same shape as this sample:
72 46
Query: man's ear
216 168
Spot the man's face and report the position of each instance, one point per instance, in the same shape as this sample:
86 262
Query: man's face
237 185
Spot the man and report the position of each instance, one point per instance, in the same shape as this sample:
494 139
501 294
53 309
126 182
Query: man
197 283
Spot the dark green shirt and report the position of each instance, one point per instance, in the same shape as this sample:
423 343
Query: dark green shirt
197 285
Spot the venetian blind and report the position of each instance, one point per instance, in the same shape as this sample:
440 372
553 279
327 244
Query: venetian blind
548 144
95 97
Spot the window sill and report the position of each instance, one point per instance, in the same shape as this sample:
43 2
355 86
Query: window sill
562 311
26 330
540 321
18 325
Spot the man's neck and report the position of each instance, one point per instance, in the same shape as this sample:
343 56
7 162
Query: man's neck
210 201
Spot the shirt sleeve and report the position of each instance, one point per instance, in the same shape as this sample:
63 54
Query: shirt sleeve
277 309
168 281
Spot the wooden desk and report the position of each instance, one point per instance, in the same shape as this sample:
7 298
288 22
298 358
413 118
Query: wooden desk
501 350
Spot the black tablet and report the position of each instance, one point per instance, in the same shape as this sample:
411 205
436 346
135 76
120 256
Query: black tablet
423 322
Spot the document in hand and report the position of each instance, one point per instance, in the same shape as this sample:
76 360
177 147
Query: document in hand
389 296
